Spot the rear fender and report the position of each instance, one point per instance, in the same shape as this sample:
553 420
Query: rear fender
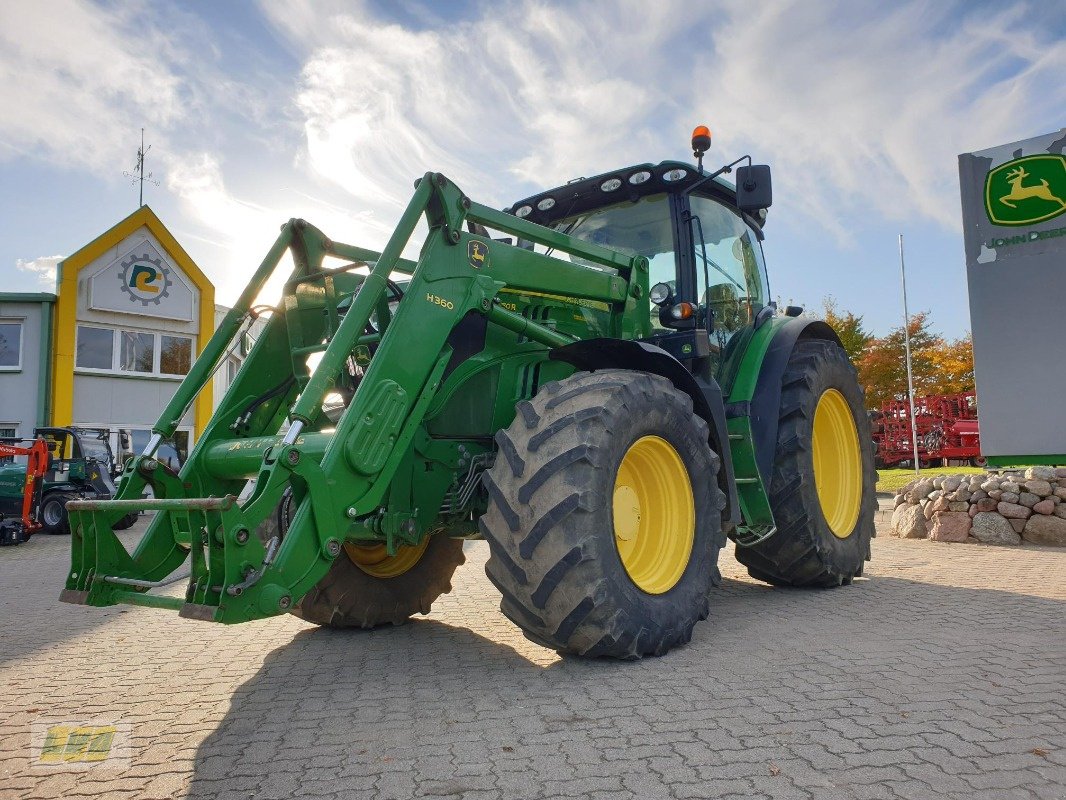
764 407
707 399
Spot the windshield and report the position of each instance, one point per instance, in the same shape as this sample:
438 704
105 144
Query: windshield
642 228
93 447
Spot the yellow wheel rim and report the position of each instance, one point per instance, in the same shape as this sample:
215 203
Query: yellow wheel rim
375 560
837 463
654 514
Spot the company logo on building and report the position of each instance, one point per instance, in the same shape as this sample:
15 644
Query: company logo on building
1026 190
144 279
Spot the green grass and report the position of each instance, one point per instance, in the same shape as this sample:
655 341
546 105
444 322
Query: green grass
889 480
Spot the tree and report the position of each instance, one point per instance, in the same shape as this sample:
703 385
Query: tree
848 327
882 364
954 365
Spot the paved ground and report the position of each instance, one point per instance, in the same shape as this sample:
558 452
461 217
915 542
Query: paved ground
942 675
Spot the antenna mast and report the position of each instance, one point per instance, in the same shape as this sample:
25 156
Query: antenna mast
138 174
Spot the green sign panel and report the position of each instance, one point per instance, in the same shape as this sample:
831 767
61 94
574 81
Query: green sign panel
1026 190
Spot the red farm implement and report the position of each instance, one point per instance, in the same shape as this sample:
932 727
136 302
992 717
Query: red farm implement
947 431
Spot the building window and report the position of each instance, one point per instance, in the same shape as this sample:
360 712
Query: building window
233 366
10 345
137 353
175 355
140 352
95 348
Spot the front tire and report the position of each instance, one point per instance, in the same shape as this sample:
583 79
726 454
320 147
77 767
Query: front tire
822 491
53 512
365 587
604 516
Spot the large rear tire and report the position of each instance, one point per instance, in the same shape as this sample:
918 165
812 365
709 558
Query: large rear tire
604 516
822 490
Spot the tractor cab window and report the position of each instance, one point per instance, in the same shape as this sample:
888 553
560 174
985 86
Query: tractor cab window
642 228
730 272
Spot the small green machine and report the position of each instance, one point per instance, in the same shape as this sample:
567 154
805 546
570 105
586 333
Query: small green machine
593 380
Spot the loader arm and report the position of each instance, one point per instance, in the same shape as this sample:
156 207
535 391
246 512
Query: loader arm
390 363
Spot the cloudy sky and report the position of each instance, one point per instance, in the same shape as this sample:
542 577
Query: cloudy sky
328 110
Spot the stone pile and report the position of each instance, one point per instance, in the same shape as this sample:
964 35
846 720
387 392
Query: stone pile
1004 507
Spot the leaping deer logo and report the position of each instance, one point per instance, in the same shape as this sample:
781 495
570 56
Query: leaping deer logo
1019 192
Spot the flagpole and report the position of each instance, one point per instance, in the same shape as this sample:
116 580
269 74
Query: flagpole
907 346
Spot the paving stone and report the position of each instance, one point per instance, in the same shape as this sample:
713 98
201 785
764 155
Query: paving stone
938 674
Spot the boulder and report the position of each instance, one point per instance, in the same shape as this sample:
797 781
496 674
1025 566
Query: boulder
938 482
1060 472
1028 499
973 511
1041 473
951 483
980 494
1046 507
1009 497
928 510
991 528
940 504
933 495
1018 524
1042 488
1060 511
996 494
1011 486
950 526
985 504
1013 510
990 484
1061 493
962 494
958 505
1045 530
908 522
900 500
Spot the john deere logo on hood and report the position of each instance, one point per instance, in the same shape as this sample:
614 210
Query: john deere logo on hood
1026 190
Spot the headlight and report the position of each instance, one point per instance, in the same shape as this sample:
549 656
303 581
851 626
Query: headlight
660 293
674 175
546 204
611 184
524 211
639 177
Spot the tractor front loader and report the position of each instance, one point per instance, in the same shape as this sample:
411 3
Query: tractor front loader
603 392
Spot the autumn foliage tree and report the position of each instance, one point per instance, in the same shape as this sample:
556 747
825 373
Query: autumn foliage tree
938 366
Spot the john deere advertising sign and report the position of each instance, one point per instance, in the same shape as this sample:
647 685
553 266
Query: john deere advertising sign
1014 229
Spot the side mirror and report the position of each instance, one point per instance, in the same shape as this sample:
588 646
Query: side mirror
753 187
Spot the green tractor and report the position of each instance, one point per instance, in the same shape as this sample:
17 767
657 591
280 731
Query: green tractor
593 380
81 465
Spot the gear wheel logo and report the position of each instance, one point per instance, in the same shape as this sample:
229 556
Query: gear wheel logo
145 279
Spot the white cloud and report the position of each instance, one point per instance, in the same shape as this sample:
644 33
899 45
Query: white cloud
866 113
42 268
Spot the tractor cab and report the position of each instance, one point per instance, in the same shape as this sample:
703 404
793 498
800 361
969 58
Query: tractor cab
702 239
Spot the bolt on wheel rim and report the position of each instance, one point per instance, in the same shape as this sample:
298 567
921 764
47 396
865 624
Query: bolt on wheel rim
654 514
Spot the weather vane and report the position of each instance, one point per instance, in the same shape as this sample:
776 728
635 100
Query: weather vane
138 174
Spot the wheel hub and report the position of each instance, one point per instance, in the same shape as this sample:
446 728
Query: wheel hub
375 560
654 514
837 463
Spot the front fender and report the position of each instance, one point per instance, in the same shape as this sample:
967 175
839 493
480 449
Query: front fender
707 399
